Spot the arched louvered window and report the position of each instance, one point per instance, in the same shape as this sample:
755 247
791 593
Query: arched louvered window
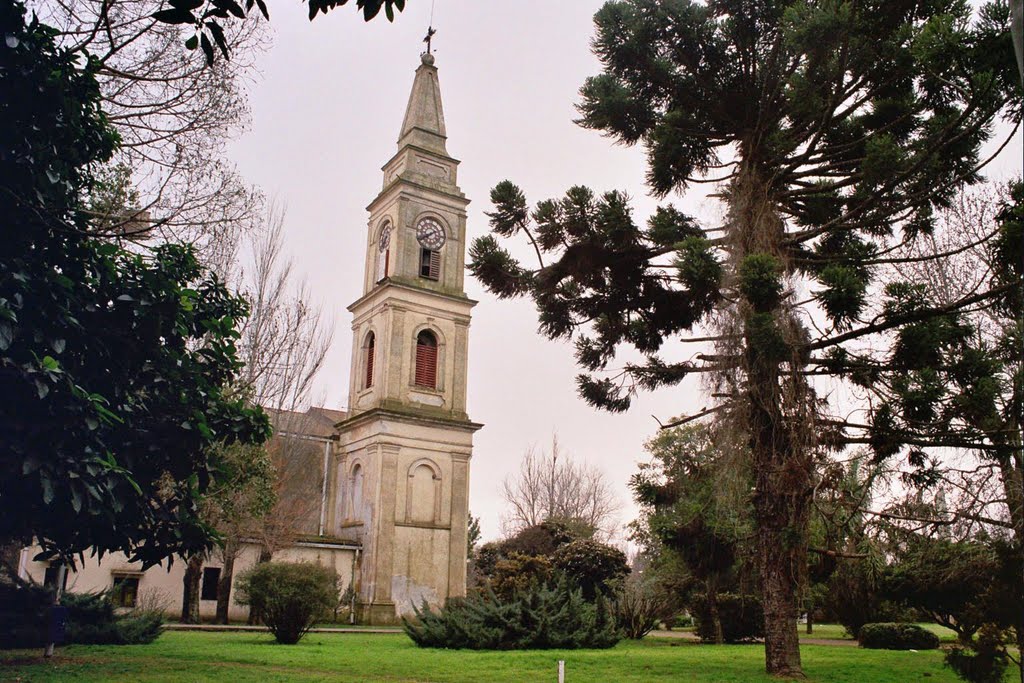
426 359
369 351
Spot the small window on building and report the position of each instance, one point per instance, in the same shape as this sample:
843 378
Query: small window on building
125 591
211 577
426 360
430 264
370 343
50 578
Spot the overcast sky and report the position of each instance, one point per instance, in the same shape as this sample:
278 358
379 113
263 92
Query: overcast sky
326 116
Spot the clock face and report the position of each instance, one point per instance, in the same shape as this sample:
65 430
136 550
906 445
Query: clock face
385 238
430 234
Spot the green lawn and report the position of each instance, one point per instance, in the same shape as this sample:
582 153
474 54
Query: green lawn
240 657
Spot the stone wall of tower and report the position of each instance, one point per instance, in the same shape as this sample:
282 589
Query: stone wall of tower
401 473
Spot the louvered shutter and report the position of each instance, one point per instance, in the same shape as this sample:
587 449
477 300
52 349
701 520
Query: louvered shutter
369 363
435 265
426 365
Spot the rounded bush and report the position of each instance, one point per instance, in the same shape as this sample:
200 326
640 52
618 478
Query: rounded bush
741 616
891 636
289 597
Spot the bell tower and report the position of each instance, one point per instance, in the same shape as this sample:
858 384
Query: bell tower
402 471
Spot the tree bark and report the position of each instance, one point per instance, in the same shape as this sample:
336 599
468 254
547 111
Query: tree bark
713 611
265 556
190 595
779 422
224 584
810 623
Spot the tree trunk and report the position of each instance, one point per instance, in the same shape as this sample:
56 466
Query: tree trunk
810 623
713 612
265 556
190 595
224 584
778 415
1011 464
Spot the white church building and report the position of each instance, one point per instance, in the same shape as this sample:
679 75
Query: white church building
389 497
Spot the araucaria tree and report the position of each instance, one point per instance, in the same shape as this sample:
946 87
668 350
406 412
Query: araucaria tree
833 131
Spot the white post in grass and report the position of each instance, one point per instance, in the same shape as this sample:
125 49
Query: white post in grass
561 671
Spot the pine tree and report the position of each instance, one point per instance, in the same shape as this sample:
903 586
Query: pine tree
834 131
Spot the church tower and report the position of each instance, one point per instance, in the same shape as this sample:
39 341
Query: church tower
401 484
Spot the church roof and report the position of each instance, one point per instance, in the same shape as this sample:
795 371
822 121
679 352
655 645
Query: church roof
316 421
423 125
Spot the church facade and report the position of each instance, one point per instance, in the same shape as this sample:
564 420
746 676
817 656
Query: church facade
383 489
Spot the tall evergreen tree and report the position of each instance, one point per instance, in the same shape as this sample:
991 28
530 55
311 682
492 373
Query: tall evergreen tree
834 130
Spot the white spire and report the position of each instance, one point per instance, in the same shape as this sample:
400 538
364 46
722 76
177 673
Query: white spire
423 125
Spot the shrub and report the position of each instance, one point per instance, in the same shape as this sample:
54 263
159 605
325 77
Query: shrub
24 609
289 597
539 618
636 611
92 620
741 616
518 573
594 567
892 636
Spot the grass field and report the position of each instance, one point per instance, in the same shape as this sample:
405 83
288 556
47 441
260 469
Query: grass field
241 657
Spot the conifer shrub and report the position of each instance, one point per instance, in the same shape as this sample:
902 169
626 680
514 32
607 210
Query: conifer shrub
741 615
893 636
542 617
93 620
289 597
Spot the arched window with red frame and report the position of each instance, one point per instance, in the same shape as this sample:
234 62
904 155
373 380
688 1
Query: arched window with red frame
369 351
426 360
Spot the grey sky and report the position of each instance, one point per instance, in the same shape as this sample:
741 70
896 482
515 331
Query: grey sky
326 116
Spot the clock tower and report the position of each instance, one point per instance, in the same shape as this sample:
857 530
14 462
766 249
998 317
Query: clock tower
401 475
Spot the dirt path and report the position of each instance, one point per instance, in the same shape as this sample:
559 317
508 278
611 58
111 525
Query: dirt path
689 635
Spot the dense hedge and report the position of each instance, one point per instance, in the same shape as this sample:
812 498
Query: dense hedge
539 618
741 616
91 619
892 636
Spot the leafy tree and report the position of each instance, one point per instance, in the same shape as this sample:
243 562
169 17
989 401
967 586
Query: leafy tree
688 507
594 567
833 130
114 364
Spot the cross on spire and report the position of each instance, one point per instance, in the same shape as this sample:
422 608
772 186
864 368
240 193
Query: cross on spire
430 34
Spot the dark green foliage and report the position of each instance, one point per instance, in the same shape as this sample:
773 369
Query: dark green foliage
954 583
834 131
761 281
537 619
92 620
593 567
115 365
289 597
515 572
892 636
984 662
24 612
741 616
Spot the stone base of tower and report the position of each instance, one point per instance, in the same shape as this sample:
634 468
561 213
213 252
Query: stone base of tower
378 614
